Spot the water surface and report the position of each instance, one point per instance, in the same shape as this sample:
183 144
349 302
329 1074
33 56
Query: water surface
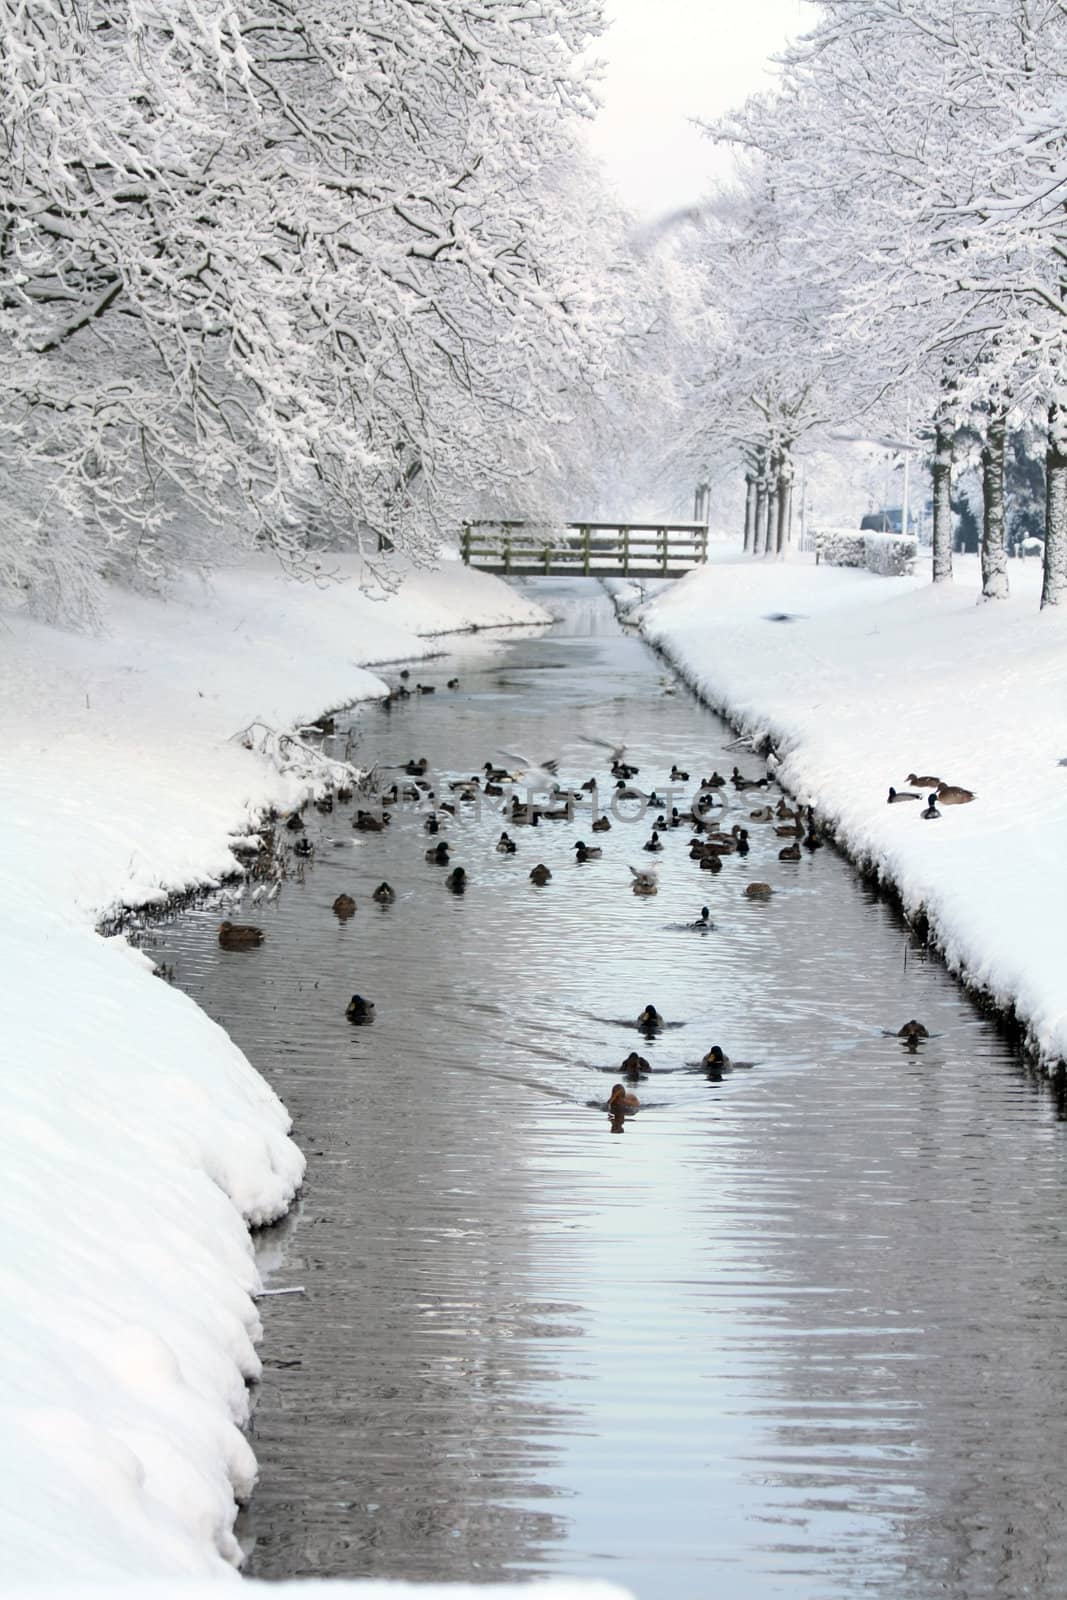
799 1331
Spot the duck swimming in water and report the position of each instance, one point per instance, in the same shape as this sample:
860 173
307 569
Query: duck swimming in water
650 1020
790 853
540 874
506 845
704 919
359 1010
601 825
439 854
634 1064
758 891
585 852
238 936
644 881
344 907
384 894
715 1060
913 1030
457 880
620 1099
654 843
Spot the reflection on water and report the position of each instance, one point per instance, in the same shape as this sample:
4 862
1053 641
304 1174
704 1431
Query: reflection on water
788 1330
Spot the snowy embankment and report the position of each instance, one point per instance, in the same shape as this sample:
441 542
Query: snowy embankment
138 1139
860 680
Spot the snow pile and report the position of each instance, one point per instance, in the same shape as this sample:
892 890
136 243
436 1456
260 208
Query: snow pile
138 1140
859 681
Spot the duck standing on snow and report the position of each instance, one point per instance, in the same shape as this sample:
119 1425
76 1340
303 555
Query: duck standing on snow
930 810
923 783
950 794
897 795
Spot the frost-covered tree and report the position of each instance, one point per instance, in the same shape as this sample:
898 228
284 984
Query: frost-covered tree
312 274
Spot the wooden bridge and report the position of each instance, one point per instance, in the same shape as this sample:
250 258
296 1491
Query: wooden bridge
587 549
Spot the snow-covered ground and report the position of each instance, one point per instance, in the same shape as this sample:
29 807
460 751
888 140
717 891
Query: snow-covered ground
138 1141
860 680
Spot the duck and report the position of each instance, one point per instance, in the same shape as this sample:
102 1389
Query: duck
367 822
677 775
432 824
811 840
405 672
400 693
791 852
704 919
930 810
344 907
897 795
924 783
620 1099
417 768
758 891
715 1060
741 836
601 825
950 794
438 854
453 683
324 804
506 845
424 688
303 847
359 1010
634 1064
913 1030
761 814
783 812
457 880
654 843
540 874
239 936
586 852
710 861
385 894
644 881
716 781
649 1020
294 822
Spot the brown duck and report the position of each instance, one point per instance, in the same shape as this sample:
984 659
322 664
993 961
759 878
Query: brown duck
238 936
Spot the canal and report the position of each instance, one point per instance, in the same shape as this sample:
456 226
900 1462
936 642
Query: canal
797 1328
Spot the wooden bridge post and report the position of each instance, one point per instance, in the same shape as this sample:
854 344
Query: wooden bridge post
507 547
548 560
661 534
465 544
585 552
626 552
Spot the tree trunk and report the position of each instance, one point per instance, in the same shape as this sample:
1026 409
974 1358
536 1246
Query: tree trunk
785 502
750 511
942 476
772 515
760 532
994 549
1054 584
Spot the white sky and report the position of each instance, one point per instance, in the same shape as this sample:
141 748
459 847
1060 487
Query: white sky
672 59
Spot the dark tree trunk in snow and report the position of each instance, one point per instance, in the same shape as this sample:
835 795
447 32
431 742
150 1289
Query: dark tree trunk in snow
750 511
785 502
942 476
994 549
759 543
1054 585
772 509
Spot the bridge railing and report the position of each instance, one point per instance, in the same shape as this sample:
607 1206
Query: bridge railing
587 549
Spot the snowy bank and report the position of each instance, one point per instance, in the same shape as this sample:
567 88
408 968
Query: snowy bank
139 1142
860 680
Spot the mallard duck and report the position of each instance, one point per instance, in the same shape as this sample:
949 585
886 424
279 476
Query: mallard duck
762 814
344 907
897 795
600 825
812 840
424 688
644 881
716 781
359 1010
506 845
710 861
913 1030
457 880
741 836
789 830
453 683
400 693
758 891
586 852
324 804
649 1020
432 824
405 672
438 855
303 847
790 853
715 1060
783 812
294 822
540 874
930 811
678 776
924 783
238 936
367 822
950 794
384 894
654 843
704 919
621 1099
417 768
634 1064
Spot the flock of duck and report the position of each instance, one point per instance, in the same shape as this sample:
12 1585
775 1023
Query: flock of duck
543 800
